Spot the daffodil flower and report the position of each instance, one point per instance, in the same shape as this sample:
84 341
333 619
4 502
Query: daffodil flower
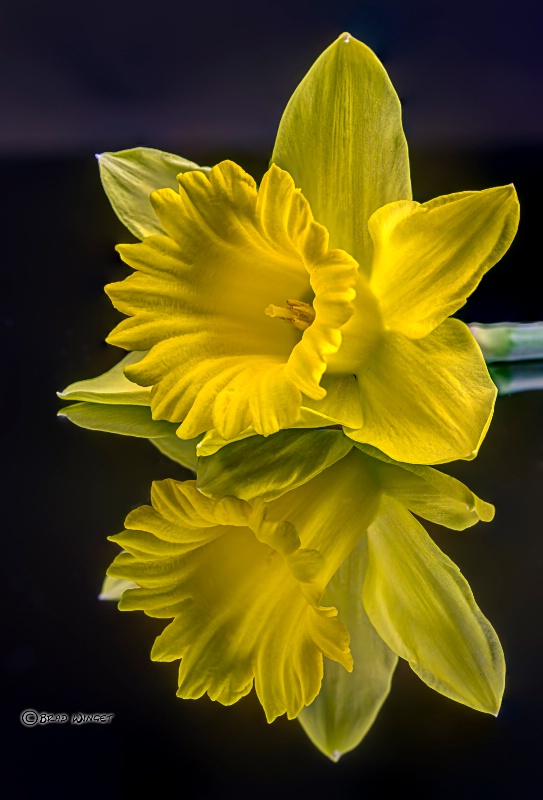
251 582
321 296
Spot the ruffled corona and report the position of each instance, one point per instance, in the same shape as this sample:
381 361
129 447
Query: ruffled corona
204 294
241 590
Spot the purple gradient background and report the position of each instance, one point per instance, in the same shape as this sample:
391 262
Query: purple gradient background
210 81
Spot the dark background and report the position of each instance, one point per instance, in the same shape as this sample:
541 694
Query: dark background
210 81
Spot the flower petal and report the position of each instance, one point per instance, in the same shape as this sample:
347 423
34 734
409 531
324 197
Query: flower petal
340 406
114 588
182 451
429 258
341 139
239 614
423 608
111 387
134 421
430 494
331 513
200 293
130 176
266 468
125 420
346 707
426 401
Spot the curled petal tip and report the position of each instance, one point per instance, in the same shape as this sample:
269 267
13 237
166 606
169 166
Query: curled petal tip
335 755
345 37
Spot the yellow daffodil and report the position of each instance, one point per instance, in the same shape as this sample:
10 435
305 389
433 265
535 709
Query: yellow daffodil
253 583
321 296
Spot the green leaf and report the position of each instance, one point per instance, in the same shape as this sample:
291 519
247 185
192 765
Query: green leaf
423 608
348 702
260 467
341 139
524 376
111 387
130 176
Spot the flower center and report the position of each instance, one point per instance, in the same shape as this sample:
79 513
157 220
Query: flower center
297 313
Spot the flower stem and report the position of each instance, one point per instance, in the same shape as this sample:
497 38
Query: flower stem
509 341
520 377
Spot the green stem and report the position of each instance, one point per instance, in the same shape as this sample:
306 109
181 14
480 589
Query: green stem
509 341
521 377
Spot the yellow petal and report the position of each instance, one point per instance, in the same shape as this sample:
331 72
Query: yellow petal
125 420
112 387
348 702
430 494
266 468
429 258
423 608
331 512
426 401
239 613
130 176
199 297
341 139
341 406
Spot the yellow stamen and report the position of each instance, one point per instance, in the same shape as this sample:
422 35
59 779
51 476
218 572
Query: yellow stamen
299 314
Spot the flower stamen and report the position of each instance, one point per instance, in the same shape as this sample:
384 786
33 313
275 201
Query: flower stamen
299 314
